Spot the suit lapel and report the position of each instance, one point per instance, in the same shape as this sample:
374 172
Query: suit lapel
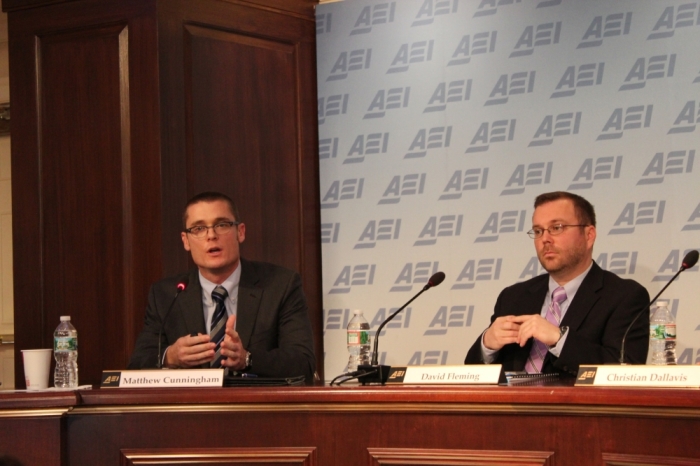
586 297
249 296
191 307
532 304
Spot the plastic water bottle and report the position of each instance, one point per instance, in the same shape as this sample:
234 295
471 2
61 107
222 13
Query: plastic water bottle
65 350
358 341
662 335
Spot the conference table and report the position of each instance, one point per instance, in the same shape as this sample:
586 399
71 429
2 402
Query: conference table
544 424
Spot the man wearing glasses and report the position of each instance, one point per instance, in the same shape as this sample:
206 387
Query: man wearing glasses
243 315
575 314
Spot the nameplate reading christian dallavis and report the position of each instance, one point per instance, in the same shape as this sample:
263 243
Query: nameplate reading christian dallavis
163 378
678 376
477 374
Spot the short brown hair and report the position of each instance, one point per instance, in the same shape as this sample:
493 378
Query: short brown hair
211 196
584 209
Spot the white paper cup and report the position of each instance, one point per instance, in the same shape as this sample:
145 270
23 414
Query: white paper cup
37 363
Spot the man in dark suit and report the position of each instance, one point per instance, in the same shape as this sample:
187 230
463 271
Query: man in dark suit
577 313
243 315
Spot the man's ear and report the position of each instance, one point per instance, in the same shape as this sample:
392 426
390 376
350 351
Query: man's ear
185 241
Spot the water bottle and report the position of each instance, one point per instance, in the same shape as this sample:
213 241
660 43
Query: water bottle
358 341
662 335
65 350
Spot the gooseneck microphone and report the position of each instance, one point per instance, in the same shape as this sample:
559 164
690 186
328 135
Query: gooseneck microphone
689 261
181 286
374 373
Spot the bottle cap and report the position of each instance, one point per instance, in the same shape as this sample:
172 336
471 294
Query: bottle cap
65 318
357 312
662 303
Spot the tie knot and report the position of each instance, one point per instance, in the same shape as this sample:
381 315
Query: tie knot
219 294
559 295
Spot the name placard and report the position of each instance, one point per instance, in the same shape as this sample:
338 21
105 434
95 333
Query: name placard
639 376
163 378
477 374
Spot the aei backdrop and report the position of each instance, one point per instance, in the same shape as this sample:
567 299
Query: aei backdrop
441 120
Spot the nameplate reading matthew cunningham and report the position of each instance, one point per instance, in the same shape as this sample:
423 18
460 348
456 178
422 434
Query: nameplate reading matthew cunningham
163 378
639 376
479 374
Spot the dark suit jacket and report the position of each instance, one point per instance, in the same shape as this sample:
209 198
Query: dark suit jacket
272 320
602 309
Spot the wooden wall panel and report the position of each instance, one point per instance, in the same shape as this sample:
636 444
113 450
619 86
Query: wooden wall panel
85 176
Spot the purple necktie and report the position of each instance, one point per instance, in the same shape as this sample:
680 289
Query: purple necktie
539 349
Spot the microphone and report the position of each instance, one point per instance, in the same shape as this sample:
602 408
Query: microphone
181 286
689 261
374 373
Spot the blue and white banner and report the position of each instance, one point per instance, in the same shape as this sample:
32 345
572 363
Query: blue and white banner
440 121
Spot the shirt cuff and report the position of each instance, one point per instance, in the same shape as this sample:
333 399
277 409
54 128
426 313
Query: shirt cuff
488 355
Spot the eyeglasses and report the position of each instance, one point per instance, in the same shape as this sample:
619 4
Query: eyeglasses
221 228
554 230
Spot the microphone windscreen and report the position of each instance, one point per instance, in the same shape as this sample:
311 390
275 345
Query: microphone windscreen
690 259
436 279
183 284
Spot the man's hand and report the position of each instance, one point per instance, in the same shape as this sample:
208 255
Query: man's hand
231 348
503 331
189 351
537 327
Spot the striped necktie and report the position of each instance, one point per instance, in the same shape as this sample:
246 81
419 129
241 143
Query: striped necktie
539 350
218 322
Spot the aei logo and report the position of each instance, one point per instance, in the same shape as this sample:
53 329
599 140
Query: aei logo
381 230
672 18
330 232
563 124
675 162
402 320
430 138
522 82
536 36
414 274
510 221
490 7
619 263
657 67
445 225
327 148
446 92
432 8
613 25
357 275
469 45
601 168
436 357
332 105
373 15
323 23
369 144
399 186
417 52
687 118
532 269
355 60
474 271
532 174
621 119
465 180
342 191
498 131
643 213
389 99
672 264
590 74
452 317
693 221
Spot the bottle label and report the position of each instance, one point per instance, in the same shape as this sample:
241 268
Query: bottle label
358 337
662 332
65 344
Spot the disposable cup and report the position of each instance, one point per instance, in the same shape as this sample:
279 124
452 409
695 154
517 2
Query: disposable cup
37 363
